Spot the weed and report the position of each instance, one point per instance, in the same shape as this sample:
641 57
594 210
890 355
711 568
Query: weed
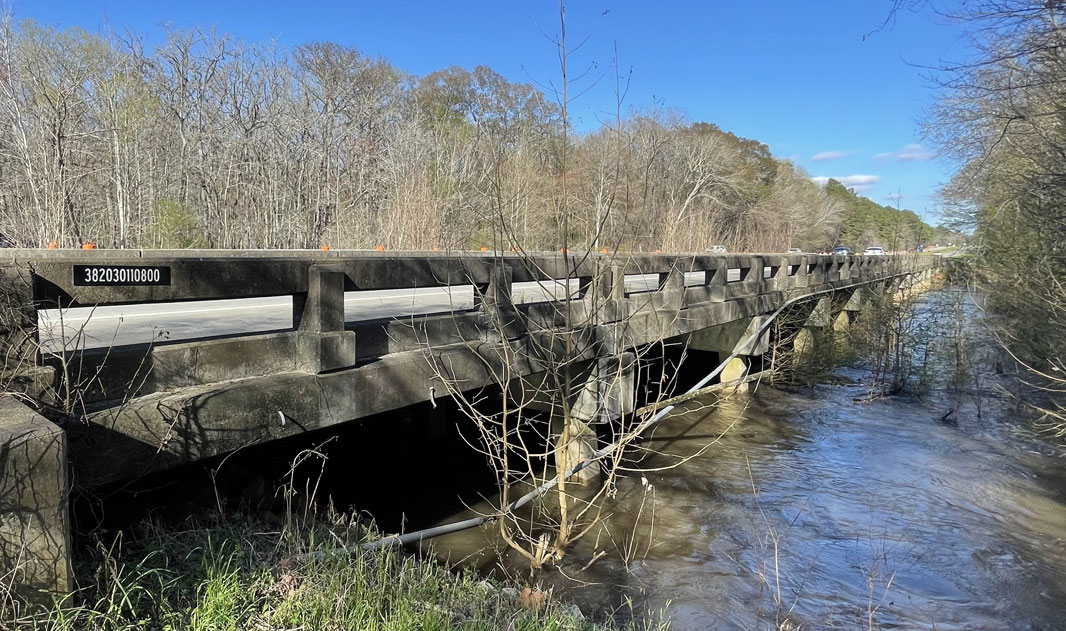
240 575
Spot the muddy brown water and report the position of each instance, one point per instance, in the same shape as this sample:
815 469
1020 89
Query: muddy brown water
827 509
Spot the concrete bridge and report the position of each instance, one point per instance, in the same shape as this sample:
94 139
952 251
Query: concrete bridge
117 408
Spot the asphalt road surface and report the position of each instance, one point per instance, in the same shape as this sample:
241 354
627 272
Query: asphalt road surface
86 327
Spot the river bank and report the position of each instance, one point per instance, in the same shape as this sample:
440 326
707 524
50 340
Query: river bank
246 574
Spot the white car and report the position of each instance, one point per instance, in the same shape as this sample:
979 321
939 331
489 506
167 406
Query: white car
874 251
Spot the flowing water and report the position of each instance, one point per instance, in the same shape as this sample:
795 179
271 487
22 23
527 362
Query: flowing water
826 508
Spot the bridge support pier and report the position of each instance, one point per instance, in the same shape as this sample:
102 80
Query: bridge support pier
850 310
921 281
803 345
815 330
34 526
738 337
842 322
856 301
608 394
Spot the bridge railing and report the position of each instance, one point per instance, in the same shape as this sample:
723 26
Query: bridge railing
107 277
320 340
66 278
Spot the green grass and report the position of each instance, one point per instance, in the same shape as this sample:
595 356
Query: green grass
242 576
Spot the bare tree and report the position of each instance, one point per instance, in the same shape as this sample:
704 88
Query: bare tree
207 141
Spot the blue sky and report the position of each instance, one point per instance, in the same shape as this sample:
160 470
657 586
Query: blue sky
817 81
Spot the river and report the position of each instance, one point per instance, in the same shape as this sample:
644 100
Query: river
821 507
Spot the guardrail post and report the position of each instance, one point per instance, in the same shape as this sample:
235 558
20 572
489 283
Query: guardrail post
19 336
615 284
816 264
321 309
751 281
672 287
716 280
18 318
607 293
801 277
779 278
496 291
494 300
832 271
318 316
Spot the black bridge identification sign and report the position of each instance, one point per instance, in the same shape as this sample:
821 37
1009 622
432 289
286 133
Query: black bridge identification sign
121 275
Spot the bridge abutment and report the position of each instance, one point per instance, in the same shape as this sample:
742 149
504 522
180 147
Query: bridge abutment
34 501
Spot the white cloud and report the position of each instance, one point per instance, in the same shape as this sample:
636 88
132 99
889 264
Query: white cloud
910 153
857 182
830 155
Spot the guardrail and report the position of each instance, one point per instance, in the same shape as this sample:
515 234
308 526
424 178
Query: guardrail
321 341
101 277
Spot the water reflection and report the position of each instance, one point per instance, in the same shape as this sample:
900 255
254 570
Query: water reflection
832 512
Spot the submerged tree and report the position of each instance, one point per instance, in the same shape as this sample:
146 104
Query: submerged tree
1000 117
557 422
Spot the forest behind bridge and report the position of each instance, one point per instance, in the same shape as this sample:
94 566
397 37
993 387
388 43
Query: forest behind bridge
202 140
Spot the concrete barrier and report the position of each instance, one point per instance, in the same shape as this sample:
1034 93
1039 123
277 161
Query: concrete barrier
34 523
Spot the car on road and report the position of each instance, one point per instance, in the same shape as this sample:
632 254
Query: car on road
795 251
717 249
842 250
873 250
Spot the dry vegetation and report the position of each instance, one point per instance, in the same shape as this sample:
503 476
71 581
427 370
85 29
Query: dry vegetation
1001 119
206 141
